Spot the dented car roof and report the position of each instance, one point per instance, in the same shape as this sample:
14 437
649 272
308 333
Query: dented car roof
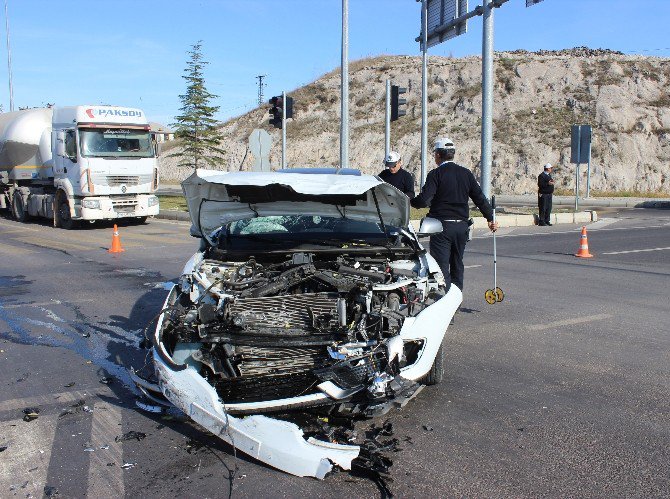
215 198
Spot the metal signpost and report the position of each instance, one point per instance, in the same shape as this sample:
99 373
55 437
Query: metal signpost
387 129
424 90
344 97
440 20
580 152
445 19
283 130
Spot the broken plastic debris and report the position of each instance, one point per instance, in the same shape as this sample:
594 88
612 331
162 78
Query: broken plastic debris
3 448
104 447
130 435
69 385
31 413
89 449
127 466
427 427
106 380
86 335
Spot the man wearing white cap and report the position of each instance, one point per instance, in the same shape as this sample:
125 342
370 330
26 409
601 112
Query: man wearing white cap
396 176
447 190
545 191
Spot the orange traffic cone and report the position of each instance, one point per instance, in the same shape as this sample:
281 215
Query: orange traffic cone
583 246
116 242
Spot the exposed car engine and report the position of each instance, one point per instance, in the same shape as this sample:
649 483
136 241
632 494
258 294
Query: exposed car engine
263 329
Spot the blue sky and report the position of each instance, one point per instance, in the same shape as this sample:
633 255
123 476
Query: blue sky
133 52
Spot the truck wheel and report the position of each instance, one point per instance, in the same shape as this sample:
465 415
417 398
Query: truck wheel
140 220
436 372
63 216
19 208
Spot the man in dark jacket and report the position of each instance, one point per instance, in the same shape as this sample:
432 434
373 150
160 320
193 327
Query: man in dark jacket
545 190
396 176
446 192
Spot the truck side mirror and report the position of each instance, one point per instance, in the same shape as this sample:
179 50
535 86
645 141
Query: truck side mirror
60 144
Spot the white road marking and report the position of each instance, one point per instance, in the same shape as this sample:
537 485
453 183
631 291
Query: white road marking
25 463
103 480
472 266
571 231
569 322
635 251
603 222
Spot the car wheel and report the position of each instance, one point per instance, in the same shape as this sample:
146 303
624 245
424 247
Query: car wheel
436 372
63 215
19 208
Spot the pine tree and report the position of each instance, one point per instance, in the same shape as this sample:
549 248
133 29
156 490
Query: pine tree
196 126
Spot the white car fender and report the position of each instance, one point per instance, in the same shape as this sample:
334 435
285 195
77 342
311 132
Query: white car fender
430 326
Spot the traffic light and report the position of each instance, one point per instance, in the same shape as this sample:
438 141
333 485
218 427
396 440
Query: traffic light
397 102
276 111
289 107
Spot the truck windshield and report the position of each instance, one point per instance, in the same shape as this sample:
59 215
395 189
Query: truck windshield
116 143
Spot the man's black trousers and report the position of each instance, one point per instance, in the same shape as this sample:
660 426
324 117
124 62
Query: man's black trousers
447 248
544 207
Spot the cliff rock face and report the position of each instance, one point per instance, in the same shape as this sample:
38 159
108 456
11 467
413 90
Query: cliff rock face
537 96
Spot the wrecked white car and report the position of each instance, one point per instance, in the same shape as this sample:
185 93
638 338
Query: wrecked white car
311 289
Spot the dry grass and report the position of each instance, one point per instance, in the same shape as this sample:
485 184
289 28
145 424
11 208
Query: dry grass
177 203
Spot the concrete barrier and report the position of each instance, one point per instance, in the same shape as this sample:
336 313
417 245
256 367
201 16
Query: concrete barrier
529 220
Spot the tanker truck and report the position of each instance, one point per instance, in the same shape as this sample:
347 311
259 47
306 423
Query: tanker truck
78 163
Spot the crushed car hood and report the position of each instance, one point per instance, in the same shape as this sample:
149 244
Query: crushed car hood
215 198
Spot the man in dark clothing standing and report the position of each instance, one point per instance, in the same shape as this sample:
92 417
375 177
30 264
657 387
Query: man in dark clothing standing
446 192
396 176
545 190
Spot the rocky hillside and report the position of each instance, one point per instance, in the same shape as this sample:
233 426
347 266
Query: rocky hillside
537 97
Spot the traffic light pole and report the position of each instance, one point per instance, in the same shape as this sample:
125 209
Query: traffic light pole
344 97
387 129
283 130
424 91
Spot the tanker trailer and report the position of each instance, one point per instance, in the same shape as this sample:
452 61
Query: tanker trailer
78 163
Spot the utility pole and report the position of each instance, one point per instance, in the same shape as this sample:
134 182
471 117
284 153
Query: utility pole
9 62
260 89
344 93
487 97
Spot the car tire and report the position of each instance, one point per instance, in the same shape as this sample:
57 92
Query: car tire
63 214
436 372
19 208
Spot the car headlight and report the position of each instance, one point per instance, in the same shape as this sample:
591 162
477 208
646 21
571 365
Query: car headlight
153 201
93 204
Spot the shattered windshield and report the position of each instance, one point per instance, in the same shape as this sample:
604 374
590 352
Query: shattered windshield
298 229
116 142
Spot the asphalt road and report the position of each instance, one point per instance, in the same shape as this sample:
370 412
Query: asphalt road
560 390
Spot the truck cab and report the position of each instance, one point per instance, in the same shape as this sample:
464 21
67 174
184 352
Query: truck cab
104 166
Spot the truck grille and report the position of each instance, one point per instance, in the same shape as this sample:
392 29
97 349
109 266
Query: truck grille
117 180
124 204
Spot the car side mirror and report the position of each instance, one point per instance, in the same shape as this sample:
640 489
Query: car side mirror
429 226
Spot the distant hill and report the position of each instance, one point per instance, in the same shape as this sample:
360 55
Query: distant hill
537 97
